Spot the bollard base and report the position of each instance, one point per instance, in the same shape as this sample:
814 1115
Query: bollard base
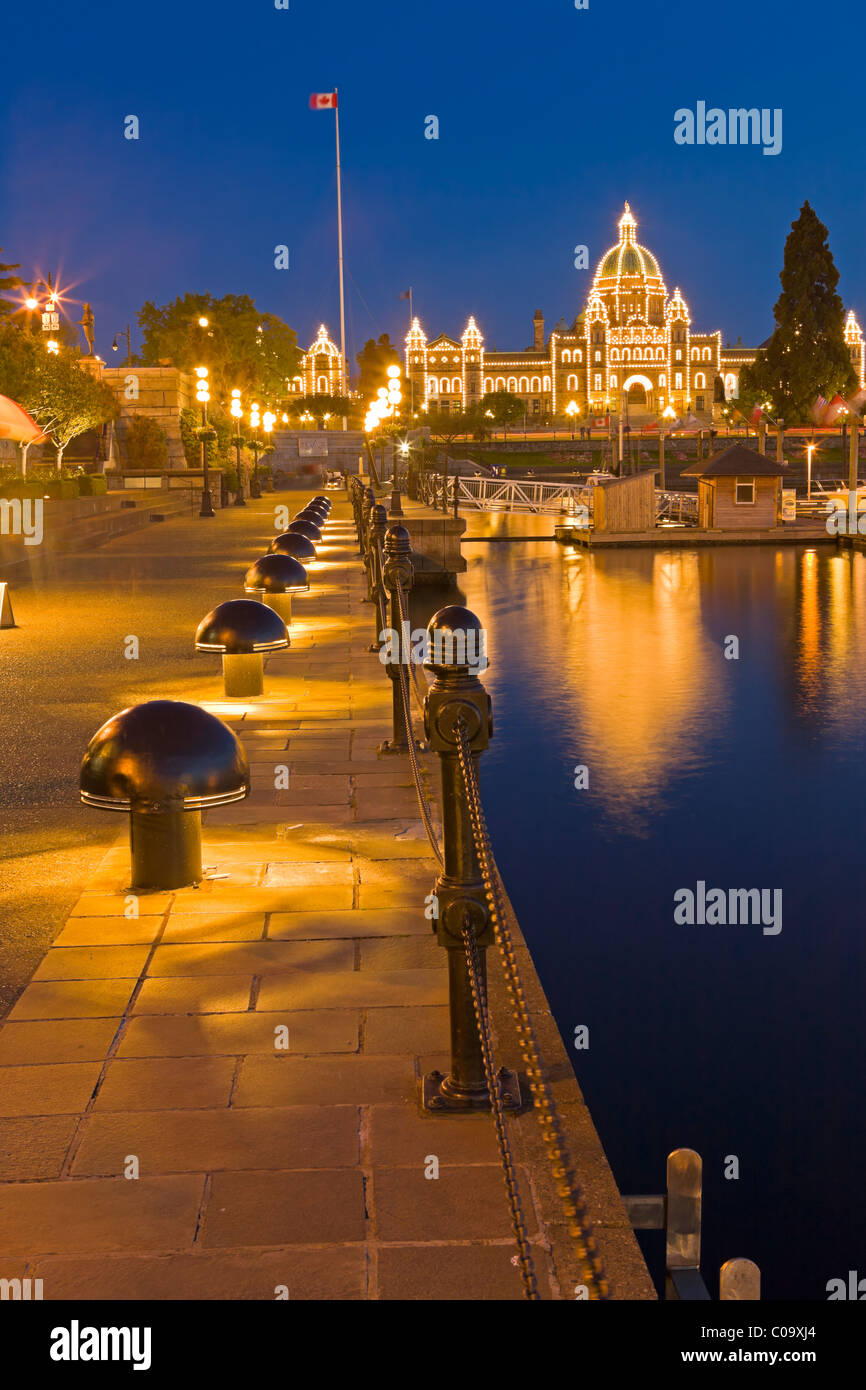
242 675
440 1097
401 747
165 848
282 604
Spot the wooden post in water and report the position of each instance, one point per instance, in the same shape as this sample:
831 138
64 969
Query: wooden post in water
739 1282
683 1226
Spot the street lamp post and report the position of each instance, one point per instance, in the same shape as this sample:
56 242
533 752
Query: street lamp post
255 421
237 411
810 449
206 433
572 409
268 422
124 333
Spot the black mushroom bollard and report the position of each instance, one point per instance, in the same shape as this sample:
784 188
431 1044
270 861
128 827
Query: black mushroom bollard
454 636
274 578
164 762
290 543
303 526
397 574
241 630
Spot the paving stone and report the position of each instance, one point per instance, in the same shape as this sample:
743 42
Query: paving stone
47 1088
338 1273
289 1207
403 953
354 923
414 895
325 1081
74 999
463 1203
253 957
109 931
316 1030
307 874
402 1137
92 963
217 994
191 1140
166 1083
80 1040
115 904
99 1214
465 1273
417 1030
365 988
34 1147
183 928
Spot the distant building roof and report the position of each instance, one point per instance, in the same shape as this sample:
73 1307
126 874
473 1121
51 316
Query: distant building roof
736 462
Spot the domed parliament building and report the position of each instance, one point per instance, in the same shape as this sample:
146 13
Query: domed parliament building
633 347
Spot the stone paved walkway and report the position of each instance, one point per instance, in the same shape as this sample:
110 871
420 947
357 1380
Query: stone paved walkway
218 1097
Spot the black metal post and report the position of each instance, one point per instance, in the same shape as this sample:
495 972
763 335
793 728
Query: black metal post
255 487
240 500
205 435
457 695
398 567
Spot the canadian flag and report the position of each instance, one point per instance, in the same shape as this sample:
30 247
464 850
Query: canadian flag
320 101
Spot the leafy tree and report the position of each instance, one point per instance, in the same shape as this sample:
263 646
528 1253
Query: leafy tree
504 406
66 399
321 405
19 355
146 445
374 359
8 282
806 355
241 346
447 425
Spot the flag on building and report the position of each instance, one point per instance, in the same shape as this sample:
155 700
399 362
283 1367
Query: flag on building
407 294
321 101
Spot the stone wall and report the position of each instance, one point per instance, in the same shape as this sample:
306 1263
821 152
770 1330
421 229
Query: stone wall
160 392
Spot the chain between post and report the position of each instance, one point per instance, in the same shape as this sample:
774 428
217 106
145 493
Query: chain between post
567 1186
482 1018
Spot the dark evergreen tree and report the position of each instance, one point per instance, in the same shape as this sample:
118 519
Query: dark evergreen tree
7 282
806 355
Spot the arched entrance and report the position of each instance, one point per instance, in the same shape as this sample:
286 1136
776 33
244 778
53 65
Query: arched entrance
639 391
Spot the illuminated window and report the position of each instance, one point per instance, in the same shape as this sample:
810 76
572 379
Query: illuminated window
695 354
578 355
571 384
566 356
663 381
535 384
678 381
706 354
322 386
614 381
614 354
598 357
597 379
546 386
679 355
700 380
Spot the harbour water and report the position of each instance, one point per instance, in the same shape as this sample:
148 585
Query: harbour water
740 1040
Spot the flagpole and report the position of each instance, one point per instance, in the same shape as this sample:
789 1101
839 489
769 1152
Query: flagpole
343 382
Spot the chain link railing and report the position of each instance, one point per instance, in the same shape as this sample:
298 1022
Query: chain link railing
567 1186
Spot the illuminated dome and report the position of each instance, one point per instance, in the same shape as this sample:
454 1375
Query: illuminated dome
629 278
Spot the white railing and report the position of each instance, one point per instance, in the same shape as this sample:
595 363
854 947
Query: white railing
504 494
677 506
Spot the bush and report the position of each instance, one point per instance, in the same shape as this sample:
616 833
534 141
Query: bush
146 445
92 485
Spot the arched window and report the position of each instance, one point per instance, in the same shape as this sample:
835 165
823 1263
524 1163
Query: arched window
456 386
695 355
626 354
547 383
660 354
566 356
524 384
322 386
663 381
614 380
578 355
500 383
707 356
535 384
571 384
700 381
731 386
488 383
614 354
512 383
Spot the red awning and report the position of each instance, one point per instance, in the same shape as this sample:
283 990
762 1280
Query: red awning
16 424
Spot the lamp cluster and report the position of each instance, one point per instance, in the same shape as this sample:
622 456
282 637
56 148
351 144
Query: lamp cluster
386 403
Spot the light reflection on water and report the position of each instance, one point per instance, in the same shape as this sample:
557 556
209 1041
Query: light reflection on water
741 773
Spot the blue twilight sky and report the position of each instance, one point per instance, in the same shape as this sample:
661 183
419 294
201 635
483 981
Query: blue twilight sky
549 118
